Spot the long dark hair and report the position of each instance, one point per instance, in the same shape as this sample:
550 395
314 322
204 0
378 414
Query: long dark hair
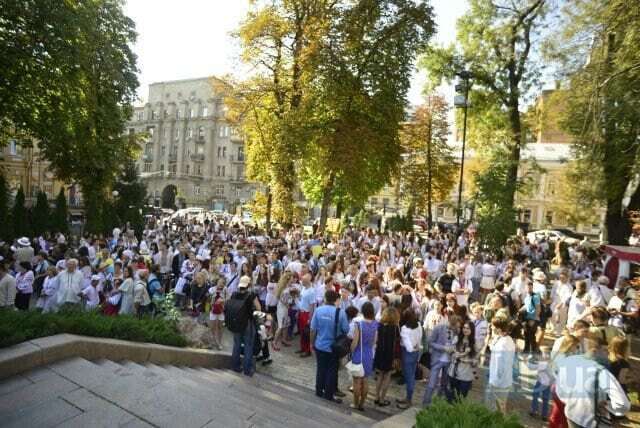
471 340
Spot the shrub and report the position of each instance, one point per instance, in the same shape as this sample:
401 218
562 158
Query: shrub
19 326
463 414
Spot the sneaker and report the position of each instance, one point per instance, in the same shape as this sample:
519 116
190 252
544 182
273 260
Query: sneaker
267 362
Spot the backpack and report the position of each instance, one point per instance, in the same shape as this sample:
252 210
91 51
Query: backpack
236 312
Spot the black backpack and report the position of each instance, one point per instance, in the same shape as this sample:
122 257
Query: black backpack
236 312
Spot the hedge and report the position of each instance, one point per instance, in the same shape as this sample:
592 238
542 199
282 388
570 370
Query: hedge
20 326
463 414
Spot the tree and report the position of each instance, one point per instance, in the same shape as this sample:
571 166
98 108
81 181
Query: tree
41 214
60 217
132 194
429 161
279 40
19 215
71 80
5 219
495 40
351 116
169 197
597 52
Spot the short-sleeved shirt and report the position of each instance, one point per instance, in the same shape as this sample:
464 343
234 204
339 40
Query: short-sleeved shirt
323 323
530 303
307 298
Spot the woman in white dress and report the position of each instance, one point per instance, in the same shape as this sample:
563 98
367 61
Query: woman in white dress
579 304
47 299
282 312
126 291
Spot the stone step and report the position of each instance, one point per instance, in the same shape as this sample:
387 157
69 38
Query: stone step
302 401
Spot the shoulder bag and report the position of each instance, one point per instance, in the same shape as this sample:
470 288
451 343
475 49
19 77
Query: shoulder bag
341 344
357 370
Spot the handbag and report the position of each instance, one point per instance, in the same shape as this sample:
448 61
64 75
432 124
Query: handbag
342 344
356 370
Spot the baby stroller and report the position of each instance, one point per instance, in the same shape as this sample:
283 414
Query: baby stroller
261 342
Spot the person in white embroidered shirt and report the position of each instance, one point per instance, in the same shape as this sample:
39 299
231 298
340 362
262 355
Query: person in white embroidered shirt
599 292
560 296
576 379
70 283
90 294
503 350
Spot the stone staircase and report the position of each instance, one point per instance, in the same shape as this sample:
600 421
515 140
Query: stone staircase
80 393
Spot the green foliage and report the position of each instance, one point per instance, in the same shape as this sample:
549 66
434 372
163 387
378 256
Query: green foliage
400 223
495 42
132 194
597 52
41 215
19 326
463 414
19 216
60 217
69 79
5 224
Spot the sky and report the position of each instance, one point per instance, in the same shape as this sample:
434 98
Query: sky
191 38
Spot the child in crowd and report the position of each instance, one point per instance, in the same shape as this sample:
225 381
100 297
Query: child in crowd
542 388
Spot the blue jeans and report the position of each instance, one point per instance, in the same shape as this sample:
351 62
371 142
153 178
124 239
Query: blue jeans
545 392
436 368
326 374
248 339
409 364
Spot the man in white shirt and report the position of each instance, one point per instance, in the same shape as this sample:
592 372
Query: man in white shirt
599 292
8 288
70 284
370 297
560 296
233 278
576 378
503 351
90 294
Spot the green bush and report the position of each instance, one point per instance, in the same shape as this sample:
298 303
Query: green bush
463 414
19 326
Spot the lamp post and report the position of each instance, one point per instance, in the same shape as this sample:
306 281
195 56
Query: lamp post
462 101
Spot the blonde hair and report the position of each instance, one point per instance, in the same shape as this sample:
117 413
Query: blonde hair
283 282
619 349
569 344
390 316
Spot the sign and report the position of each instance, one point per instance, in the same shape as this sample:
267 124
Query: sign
333 225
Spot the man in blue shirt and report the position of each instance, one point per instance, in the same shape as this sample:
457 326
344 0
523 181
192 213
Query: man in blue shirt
531 310
323 334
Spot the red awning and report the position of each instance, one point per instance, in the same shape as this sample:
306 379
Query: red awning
631 254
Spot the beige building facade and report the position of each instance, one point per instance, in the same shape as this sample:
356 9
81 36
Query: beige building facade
189 148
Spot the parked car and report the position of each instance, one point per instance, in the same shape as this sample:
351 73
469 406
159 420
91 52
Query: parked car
554 235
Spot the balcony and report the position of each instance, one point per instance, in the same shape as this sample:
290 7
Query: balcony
147 157
197 157
238 179
236 158
173 157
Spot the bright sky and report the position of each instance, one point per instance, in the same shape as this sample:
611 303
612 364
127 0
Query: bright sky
191 38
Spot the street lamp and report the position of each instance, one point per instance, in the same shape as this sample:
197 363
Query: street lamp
462 101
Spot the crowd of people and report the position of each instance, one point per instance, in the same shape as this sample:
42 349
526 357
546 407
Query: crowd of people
430 307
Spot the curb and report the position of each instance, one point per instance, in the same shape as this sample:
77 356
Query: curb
47 350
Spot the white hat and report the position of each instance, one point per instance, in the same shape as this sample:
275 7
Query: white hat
603 280
244 282
95 278
24 241
62 264
539 276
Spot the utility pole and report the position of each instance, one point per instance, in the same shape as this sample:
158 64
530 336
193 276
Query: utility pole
465 76
429 166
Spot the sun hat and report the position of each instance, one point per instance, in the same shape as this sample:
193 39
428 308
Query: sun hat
244 282
24 241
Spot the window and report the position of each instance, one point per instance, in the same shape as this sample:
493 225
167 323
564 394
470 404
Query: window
198 170
218 171
177 134
147 167
219 190
178 114
226 131
219 152
186 169
240 153
440 212
150 131
173 168
224 152
526 216
200 149
174 150
223 167
205 111
373 201
201 132
385 201
192 113
196 190
189 133
162 167
163 151
154 115
166 114
223 131
140 116
13 148
148 149
551 188
549 217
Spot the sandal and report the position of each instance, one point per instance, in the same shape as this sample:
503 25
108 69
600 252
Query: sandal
382 403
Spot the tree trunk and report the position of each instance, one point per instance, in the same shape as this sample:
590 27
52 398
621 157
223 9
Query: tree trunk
268 213
617 223
326 201
516 141
339 209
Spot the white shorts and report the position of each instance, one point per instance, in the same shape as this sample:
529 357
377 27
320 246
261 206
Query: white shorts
488 283
216 317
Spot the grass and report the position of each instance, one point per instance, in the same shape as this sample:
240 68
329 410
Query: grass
463 414
20 326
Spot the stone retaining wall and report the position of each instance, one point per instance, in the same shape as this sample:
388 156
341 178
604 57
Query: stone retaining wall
46 350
